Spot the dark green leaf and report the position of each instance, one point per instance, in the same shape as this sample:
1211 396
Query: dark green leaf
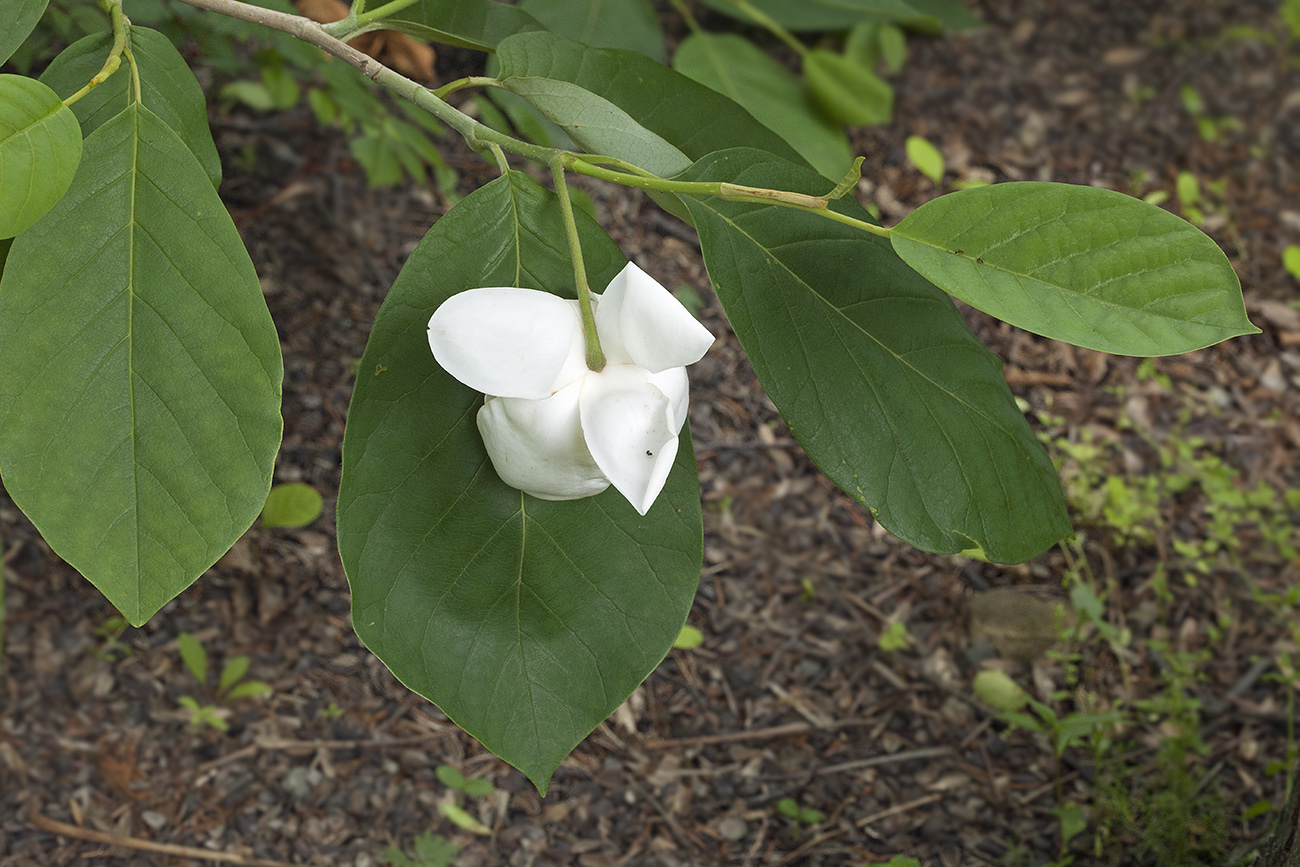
684 113
1090 266
527 621
20 17
139 370
40 146
476 24
629 24
874 370
740 70
167 87
850 93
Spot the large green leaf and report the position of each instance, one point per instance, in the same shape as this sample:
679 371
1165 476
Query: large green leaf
874 370
167 87
684 113
40 146
139 370
527 621
629 24
1090 266
20 17
476 24
740 70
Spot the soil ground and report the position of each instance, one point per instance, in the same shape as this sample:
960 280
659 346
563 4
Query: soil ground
791 694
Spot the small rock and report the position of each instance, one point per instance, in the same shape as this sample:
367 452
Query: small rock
154 819
732 828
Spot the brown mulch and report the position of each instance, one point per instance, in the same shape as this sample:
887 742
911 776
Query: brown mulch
791 695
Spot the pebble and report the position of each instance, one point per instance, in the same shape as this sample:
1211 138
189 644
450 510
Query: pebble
732 828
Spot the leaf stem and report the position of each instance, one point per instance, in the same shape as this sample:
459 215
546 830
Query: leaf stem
687 16
114 59
462 83
595 357
770 24
362 18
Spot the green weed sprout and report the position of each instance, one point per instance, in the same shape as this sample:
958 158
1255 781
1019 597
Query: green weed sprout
230 686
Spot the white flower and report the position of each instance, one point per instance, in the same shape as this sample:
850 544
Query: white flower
552 427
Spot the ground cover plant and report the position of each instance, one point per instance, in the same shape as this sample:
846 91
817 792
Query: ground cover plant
911 515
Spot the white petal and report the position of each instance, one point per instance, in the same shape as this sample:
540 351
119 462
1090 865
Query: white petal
509 342
642 321
629 427
538 447
676 387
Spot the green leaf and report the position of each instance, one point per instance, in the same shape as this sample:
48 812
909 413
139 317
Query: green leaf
1290 260
450 777
684 113
435 851
862 44
477 788
874 370
40 146
629 24
462 819
598 124
689 638
827 14
476 24
193 655
167 88
1090 266
292 504
139 370
248 689
849 93
20 17
527 621
254 94
893 48
740 70
232 672
925 157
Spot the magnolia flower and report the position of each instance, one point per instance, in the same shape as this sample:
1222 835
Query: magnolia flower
552 427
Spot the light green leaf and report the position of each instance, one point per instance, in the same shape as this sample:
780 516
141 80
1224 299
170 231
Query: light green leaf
292 504
527 621
193 655
249 689
893 48
684 113
1290 260
232 672
1090 266
478 788
167 88
598 124
20 17
40 146
139 370
629 24
874 370
689 638
862 44
462 819
450 777
254 94
849 93
476 24
925 157
740 70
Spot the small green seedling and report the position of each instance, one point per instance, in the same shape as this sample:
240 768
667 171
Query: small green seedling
807 592
790 808
689 638
1073 824
109 632
926 158
231 685
902 861
332 712
456 781
431 850
291 505
894 637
